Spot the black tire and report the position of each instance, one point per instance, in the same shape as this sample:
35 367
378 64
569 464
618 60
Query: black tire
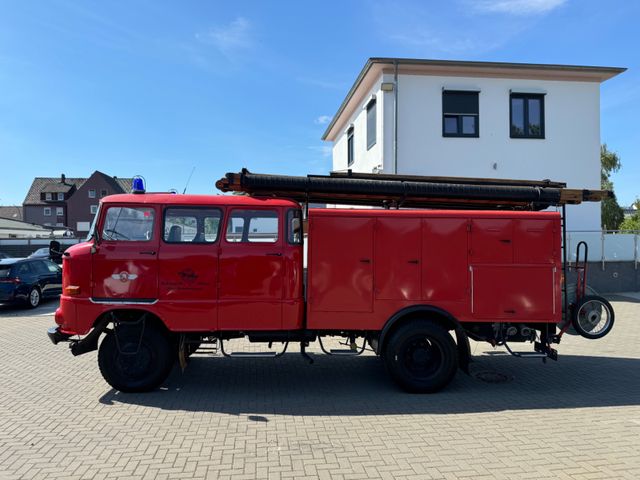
571 295
34 298
589 314
136 372
421 357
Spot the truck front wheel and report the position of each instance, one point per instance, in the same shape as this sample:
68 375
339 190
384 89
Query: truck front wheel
421 357
135 360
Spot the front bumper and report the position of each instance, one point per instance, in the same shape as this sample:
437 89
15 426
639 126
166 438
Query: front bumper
56 336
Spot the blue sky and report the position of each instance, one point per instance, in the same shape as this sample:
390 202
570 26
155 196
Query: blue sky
159 87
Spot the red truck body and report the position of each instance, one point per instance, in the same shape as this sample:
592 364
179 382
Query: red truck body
203 268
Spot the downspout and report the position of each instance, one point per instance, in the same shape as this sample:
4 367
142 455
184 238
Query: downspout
395 117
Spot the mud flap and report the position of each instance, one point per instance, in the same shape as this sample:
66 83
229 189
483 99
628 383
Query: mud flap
464 350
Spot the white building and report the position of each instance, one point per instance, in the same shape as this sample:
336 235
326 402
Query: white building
475 119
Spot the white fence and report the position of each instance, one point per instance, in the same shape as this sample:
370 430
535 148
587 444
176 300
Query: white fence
606 245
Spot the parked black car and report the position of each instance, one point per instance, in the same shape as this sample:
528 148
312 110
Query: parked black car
29 280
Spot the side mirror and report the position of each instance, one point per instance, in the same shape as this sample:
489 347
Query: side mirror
55 251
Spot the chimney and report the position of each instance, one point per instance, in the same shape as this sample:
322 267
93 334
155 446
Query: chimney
62 178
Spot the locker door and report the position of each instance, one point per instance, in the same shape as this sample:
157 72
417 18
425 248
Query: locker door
444 253
341 264
397 259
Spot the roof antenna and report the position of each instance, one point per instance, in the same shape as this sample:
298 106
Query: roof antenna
188 180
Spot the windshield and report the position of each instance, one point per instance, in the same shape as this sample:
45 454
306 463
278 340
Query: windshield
129 224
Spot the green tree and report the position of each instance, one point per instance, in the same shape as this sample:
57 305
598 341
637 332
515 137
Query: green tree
632 223
611 213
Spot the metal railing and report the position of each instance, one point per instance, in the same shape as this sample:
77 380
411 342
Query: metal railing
606 245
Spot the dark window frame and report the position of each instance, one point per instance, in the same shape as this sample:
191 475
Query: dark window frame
191 207
459 116
372 106
350 146
525 112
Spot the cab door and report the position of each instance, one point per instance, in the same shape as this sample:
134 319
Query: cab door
188 266
125 261
251 270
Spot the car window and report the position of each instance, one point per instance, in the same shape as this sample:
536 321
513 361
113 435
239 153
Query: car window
191 225
5 271
22 269
253 226
39 267
52 267
128 224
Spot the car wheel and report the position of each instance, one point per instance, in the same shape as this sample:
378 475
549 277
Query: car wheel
131 363
421 357
34 297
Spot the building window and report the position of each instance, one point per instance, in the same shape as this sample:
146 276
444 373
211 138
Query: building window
371 123
92 194
47 196
460 114
93 209
59 211
59 224
350 158
103 193
527 115
47 211
60 196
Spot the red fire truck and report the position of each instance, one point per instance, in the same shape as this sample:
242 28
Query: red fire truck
442 261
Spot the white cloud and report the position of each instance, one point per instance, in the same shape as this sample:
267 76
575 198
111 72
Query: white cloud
229 39
322 120
518 7
324 150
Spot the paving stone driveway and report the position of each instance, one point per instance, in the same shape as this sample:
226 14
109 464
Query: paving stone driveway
338 418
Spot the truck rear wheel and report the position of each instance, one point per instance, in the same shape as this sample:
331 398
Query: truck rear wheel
421 357
130 362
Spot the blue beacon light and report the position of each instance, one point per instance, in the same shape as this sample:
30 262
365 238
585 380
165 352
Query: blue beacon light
137 184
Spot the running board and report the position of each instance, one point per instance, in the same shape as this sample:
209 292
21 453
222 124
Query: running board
252 354
541 351
350 352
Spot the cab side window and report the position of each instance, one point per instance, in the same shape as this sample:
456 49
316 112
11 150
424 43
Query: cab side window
252 226
191 225
128 224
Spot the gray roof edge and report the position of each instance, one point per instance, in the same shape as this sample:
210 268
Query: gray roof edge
613 71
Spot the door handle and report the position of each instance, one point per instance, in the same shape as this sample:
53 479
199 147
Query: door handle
365 260
148 252
414 261
505 240
274 254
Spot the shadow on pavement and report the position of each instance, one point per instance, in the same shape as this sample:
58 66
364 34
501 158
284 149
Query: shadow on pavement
360 386
47 307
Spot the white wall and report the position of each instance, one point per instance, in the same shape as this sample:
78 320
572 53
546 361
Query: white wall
364 160
570 151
